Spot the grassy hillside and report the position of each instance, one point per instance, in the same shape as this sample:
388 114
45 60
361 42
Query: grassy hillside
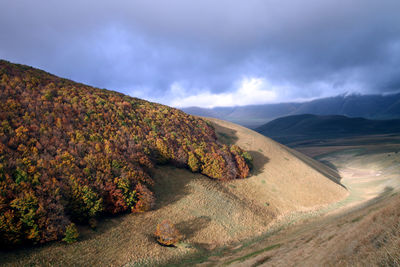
363 230
211 216
306 127
70 153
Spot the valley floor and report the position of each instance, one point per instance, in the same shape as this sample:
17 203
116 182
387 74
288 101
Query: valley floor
361 230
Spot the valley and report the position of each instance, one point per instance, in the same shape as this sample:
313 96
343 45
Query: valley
283 215
200 133
360 230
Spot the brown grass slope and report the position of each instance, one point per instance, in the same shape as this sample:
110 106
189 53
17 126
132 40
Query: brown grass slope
285 179
366 237
362 230
208 214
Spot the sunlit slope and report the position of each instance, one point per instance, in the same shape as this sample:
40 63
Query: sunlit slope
284 179
363 230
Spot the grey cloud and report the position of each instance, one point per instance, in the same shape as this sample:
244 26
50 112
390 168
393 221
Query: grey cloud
145 46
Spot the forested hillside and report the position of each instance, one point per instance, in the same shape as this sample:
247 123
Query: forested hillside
70 153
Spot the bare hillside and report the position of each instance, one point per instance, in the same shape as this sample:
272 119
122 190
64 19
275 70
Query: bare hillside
285 179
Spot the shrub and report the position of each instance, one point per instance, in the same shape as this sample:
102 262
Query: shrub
240 155
71 233
193 162
145 199
167 234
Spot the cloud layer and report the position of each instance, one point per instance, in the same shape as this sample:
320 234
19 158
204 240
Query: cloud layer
210 53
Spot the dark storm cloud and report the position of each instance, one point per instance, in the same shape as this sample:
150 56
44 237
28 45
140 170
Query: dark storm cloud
170 51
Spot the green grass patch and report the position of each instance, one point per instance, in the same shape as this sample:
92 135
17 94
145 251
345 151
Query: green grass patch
255 253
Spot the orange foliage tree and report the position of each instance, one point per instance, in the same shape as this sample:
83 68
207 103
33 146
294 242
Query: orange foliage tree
167 234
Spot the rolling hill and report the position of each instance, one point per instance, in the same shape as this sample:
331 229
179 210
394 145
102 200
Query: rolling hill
71 153
377 107
306 127
210 215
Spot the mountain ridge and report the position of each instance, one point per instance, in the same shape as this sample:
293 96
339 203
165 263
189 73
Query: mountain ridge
253 116
308 126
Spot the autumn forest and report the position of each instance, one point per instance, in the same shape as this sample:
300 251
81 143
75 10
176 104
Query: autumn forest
70 153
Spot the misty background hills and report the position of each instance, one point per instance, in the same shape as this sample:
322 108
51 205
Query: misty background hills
307 127
377 107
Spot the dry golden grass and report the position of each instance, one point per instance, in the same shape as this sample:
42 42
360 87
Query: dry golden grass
209 214
285 179
367 234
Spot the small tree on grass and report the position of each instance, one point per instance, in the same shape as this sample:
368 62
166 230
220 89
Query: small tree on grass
71 233
167 234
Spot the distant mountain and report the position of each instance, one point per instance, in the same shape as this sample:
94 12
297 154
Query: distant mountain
301 127
368 106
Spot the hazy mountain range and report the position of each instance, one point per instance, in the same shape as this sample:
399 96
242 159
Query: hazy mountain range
366 106
306 127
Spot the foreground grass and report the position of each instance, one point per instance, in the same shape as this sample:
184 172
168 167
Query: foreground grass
251 255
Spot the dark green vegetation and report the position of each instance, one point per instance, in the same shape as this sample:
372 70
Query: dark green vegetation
70 153
310 127
253 116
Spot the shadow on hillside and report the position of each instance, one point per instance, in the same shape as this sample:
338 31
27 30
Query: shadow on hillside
225 135
187 229
190 227
259 162
331 172
330 165
325 167
333 175
171 185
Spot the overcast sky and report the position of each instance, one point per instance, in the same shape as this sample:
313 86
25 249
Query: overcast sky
207 52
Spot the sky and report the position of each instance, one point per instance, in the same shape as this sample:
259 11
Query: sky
210 53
